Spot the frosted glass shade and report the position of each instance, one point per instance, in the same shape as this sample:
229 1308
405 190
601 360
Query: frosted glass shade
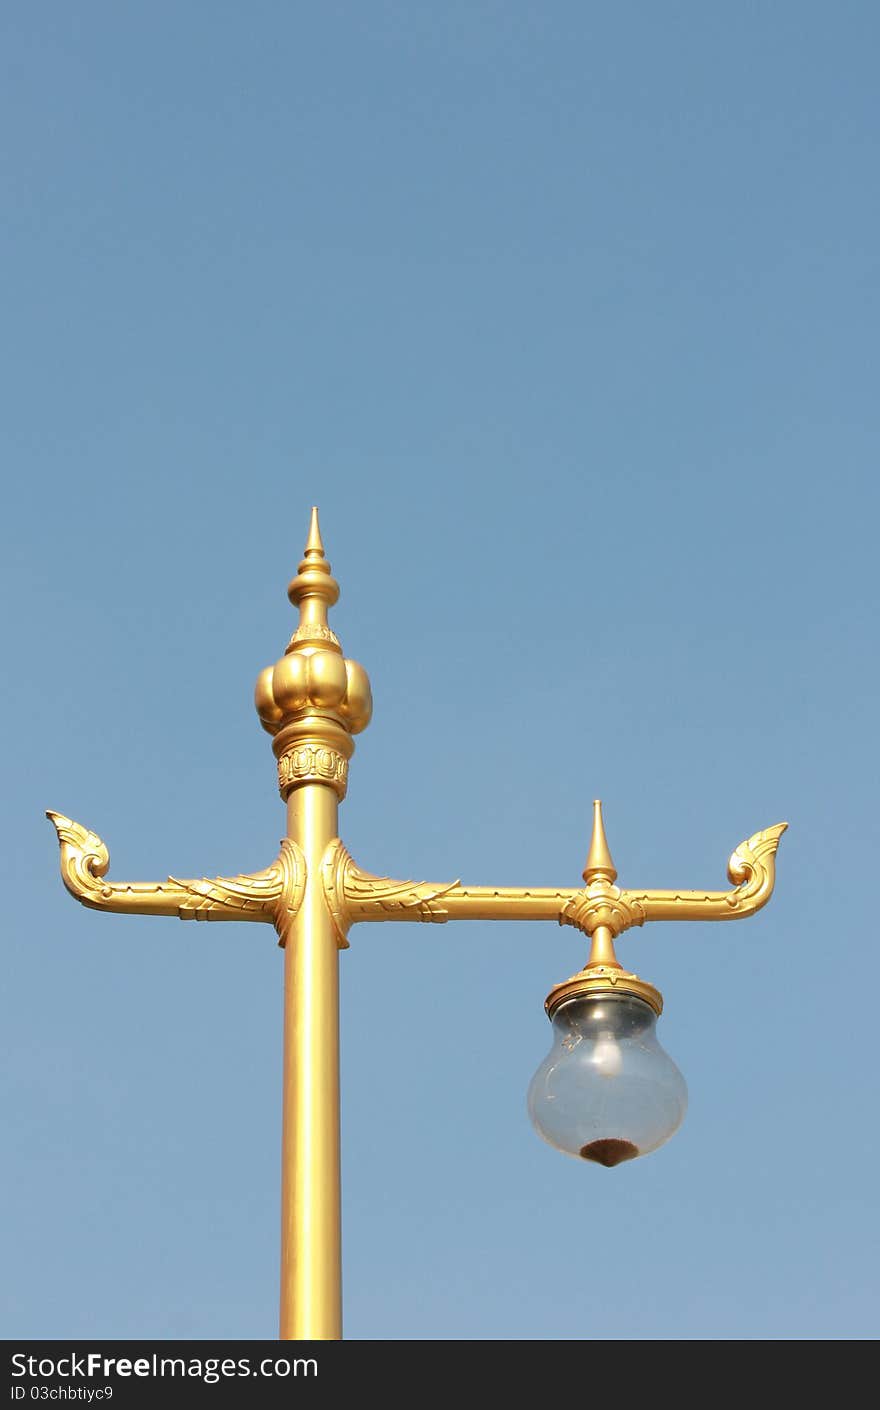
607 1091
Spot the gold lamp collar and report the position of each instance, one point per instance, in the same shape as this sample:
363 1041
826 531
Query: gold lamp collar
602 979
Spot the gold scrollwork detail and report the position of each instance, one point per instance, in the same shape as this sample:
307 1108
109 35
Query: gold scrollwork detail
602 904
752 869
293 869
312 762
274 894
313 631
352 894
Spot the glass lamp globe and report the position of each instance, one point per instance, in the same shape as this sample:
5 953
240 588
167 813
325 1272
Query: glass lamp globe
606 1092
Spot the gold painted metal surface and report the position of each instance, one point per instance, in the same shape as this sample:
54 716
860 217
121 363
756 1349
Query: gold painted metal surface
311 1257
312 701
599 866
601 914
603 911
603 979
752 869
271 895
355 895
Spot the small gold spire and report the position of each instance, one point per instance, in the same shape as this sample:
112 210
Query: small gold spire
314 588
314 542
599 863
314 559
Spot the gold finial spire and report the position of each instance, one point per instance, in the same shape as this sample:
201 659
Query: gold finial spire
314 699
314 542
314 588
314 560
599 863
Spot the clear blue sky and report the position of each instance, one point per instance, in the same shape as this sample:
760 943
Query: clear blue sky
566 316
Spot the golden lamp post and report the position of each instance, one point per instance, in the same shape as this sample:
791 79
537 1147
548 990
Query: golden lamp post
607 1091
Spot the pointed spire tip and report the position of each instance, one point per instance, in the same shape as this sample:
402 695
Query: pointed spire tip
599 862
314 542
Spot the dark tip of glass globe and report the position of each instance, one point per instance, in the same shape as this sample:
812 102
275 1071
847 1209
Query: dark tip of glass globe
609 1152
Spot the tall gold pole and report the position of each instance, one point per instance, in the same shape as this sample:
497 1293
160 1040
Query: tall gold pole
311 1261
312 701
